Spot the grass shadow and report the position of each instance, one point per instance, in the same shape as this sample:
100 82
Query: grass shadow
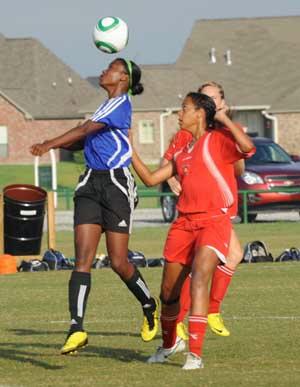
35 332
21 356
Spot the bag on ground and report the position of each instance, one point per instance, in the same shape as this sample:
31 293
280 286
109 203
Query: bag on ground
256 251
33 265
155 262
292 254
137 258
101 261
56 260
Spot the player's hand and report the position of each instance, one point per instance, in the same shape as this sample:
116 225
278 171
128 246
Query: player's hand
175 186
39 149
221 115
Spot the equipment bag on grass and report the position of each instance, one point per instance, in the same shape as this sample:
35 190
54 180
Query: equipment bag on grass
137 258
33 265
56 260
256 251
292 254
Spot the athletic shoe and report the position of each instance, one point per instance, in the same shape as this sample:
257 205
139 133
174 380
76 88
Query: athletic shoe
181 331
75 341
162 354
193 362
150 323
216 324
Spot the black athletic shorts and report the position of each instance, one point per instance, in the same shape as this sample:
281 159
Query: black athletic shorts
107 198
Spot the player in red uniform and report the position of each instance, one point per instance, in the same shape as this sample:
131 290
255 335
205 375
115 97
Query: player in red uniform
198 239
223 274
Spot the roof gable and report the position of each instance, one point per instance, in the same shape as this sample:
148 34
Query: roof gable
265 55
39 82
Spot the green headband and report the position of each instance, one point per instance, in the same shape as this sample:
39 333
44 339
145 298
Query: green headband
129 66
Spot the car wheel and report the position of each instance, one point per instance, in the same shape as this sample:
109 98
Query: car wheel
251 217
168 207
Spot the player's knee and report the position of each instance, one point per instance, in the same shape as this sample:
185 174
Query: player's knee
234 257
168 300
120 266
169 296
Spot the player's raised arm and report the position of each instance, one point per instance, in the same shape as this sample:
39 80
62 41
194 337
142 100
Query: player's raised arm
67 139
148 177
242 139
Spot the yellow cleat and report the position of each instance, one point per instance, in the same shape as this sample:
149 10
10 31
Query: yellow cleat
147 333
216 324
181 331
75 341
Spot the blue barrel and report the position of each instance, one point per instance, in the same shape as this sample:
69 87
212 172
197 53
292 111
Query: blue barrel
24 212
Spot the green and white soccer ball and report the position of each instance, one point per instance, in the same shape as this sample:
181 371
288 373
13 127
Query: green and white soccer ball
110 34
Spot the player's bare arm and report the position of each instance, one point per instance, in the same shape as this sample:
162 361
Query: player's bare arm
67 139
242 139
151 178
239 167
173 182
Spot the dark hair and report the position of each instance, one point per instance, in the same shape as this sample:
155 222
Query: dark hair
134 72
203 101
213 84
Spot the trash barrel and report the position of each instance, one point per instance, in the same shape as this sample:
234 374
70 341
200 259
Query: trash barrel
24 212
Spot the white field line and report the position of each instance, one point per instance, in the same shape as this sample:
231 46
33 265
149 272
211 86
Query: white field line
226 317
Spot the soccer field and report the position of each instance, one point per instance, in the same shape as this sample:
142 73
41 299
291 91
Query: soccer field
261 310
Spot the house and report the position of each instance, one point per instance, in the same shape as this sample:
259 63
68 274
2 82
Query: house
40 97
257 62
255 59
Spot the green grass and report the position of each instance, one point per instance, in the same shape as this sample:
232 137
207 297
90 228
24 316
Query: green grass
261 310
150 240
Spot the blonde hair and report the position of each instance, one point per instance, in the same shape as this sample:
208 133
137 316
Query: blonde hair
213 84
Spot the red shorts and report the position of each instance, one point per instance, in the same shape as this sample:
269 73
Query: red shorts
191 231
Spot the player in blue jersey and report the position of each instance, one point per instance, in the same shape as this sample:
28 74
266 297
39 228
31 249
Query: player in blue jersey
105 198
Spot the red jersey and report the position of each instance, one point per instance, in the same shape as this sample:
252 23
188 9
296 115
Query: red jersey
206 173
181 138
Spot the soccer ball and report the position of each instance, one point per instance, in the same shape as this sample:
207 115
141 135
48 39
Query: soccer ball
110 34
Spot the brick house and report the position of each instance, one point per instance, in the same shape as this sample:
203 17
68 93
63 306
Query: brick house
39 97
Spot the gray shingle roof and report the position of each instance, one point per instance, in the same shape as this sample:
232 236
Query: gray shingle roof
164 86
265 68
40 83
265 56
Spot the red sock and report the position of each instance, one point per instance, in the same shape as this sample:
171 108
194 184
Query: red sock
197 327
219 285
168 327
185 299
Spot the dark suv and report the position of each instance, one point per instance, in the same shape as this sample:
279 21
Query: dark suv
270 167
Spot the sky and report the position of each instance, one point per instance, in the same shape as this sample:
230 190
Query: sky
158 28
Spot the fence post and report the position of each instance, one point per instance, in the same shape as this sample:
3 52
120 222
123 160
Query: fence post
245 208
51 220
1 224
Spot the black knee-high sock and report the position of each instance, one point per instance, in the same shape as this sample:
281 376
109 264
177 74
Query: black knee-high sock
79 289
138 287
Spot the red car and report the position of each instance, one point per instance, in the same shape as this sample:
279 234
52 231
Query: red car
271 167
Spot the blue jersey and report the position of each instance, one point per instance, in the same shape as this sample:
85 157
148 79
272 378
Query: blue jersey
109 147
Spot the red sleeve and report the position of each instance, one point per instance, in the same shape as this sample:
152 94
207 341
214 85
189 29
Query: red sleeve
230 150
181 138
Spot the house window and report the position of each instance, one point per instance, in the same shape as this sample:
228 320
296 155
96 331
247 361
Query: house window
146 132
3 142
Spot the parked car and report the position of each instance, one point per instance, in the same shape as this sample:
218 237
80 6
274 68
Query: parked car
270 167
